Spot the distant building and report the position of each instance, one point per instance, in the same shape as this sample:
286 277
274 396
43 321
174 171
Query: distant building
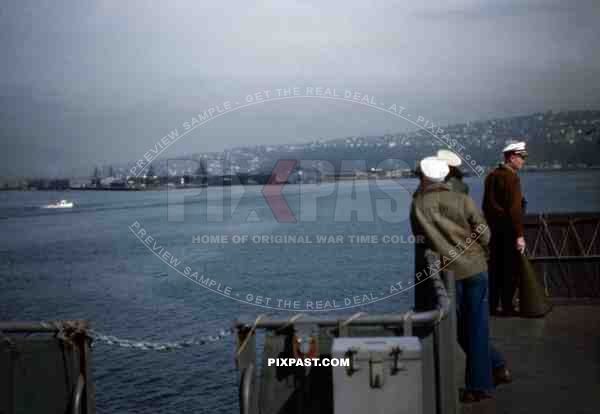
76 183
12 183
107 181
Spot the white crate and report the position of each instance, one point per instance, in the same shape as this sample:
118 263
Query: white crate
386 376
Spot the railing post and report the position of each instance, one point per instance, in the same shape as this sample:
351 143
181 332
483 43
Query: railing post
453 341
89 396
429 374
424 300
246 363
444 345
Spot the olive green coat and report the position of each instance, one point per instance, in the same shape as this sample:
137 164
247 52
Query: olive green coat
453 227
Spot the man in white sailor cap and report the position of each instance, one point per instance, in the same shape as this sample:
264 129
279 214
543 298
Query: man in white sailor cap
503 209
455 176
450 224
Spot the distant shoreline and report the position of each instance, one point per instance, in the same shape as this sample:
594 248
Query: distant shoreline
329 179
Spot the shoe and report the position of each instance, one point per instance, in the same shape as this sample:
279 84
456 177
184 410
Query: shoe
469 397
501 376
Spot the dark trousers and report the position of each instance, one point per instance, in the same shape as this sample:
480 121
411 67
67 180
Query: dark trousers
503 267
473 332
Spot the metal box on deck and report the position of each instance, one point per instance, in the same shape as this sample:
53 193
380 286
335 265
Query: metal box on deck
384 376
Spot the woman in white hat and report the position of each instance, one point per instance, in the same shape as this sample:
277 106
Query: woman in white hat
447 220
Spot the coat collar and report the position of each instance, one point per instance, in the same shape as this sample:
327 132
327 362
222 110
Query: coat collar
435 187
508 167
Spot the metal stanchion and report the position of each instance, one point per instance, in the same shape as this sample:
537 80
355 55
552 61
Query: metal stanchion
444 339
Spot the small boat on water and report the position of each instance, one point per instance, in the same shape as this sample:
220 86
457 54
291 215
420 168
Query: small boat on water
60 204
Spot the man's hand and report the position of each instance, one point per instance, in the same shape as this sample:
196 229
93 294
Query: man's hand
521 245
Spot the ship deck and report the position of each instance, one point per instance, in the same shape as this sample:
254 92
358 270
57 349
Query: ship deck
555 363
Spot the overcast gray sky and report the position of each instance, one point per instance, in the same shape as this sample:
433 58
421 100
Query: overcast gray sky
86 82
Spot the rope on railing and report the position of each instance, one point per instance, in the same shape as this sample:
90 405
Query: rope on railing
353 318
249 335
68 331
291 321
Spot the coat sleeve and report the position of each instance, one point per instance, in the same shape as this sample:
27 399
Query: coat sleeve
491 207
515 208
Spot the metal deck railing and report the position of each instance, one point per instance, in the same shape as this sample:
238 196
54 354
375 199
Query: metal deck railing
45 367
436 328
565 250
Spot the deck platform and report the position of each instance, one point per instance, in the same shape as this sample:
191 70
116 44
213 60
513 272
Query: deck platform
555 363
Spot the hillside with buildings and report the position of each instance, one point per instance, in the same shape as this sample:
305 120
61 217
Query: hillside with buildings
562 140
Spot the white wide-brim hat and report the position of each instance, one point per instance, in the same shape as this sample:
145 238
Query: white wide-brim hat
451 158
434 169
516 147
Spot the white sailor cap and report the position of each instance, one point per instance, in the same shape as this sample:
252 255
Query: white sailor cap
434 169
516 147
450 157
